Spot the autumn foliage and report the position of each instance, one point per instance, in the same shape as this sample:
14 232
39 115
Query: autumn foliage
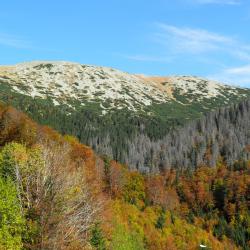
57 187
61 195
182 210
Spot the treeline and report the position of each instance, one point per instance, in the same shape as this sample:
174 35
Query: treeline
143 142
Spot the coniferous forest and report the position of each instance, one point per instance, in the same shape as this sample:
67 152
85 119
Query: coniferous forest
149 143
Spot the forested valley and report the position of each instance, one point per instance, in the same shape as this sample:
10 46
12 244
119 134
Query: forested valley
58 194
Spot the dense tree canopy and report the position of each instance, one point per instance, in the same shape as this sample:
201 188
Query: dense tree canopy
55 193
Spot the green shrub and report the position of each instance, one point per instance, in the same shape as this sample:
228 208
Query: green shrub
11 219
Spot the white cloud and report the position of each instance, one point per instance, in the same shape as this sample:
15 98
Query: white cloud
200 44
16 42
186 40
223 2
191 40
242 54
244 70
183 41
204 47
236 75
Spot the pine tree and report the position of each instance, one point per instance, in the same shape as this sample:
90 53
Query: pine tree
97 240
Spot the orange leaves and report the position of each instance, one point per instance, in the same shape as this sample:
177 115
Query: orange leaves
155 190
81 151
171 200
159 194
46 132
15 126
117 179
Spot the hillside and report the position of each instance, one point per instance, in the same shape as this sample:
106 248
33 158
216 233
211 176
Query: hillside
72 84
49 188
112 111
55 193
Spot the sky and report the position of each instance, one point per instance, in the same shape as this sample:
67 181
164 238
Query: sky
207 38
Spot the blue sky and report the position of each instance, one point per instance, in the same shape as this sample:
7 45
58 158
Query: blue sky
209 38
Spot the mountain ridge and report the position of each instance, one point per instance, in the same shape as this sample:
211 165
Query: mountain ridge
120 89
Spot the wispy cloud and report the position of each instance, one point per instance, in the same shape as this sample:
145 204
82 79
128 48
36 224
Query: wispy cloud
222 2
184 39
244 70
201 47
13 41
237 75
200 44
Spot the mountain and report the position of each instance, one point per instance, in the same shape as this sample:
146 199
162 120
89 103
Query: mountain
127 117
72 84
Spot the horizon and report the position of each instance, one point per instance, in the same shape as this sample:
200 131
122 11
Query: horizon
156 39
